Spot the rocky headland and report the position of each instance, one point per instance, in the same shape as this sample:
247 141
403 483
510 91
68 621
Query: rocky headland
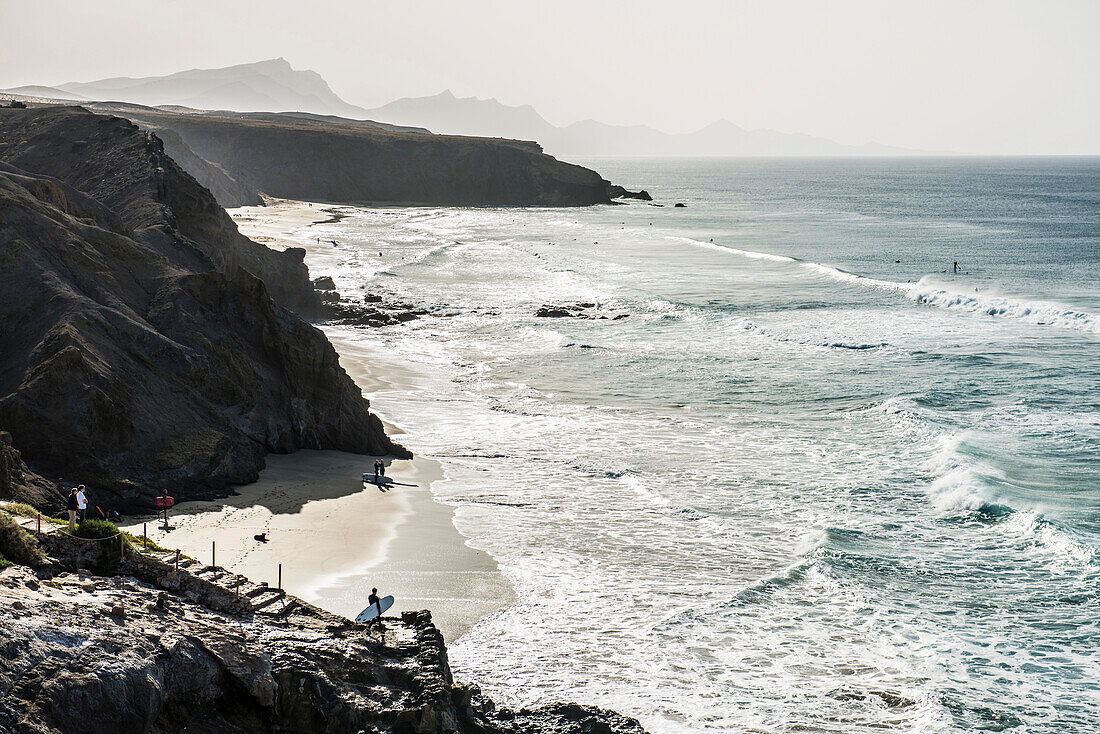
146 343
146 644
332 159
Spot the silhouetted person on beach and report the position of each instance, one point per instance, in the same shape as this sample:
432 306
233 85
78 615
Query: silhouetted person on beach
379 469
956 266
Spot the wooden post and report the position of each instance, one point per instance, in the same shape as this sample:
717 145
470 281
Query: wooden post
177 560
280 576
144 536
213 557
39 531
237 591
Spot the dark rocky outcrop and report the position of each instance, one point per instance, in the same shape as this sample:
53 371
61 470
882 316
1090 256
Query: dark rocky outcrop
19 483
352 162
618 192
146 343
160 651
576 311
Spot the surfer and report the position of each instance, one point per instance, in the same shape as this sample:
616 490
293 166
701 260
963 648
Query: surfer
374 601
956 267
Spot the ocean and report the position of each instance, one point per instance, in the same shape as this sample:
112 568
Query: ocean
810 479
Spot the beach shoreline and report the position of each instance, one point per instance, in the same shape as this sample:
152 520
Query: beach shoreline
334 536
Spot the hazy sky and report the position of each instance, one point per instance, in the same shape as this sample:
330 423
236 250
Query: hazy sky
1013 76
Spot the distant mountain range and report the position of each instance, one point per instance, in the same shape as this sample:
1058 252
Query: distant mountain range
265 86
273 86
445 113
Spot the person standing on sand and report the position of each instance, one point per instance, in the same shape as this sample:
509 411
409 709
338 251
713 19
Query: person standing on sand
377 469
81 503
72 509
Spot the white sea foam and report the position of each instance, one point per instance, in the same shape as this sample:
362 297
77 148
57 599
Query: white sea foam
926 292
751 564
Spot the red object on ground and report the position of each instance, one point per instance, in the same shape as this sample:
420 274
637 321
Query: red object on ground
165 502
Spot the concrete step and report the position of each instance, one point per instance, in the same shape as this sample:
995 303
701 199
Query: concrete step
266 601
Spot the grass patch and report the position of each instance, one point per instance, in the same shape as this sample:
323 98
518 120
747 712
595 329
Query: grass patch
135 542
5 563
22 509
17 545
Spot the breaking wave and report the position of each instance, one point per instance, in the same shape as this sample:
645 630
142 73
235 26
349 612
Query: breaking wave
923 292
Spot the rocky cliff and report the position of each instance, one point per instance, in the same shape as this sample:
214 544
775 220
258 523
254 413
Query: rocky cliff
19 483
145 342
128 173
336 160
150 649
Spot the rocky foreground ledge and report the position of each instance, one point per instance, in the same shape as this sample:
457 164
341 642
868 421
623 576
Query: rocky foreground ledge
149 648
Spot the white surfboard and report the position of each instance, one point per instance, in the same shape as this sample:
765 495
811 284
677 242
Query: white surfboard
373 611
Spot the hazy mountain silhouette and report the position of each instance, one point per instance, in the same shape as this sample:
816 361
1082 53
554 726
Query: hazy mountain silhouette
445 113
265 86
272 86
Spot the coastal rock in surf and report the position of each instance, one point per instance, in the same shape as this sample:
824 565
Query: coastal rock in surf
147 344
324 283
679 205
618 192
576 311
378 313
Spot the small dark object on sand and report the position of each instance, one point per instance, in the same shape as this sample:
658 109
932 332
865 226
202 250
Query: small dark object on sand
679 205
262 537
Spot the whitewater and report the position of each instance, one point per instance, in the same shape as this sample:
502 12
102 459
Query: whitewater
811 478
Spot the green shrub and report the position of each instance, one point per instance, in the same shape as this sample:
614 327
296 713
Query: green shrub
94 528
109 540
16 544
4 563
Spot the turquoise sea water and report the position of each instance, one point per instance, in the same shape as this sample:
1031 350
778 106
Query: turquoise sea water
815 481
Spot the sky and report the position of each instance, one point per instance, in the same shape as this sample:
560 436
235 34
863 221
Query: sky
970 76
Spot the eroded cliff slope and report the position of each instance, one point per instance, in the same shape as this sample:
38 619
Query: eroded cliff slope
346 161
145 342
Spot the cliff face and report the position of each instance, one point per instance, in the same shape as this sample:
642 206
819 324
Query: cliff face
156 202
22 485
350 162
144 344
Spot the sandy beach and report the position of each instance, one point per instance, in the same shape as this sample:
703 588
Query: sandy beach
335 537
